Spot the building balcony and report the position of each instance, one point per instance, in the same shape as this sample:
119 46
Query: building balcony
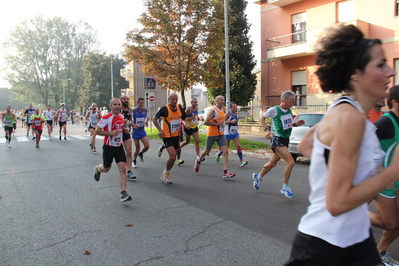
127 91
126 72
279 3
301 43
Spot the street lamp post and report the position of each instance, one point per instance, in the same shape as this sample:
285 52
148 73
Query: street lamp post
226 53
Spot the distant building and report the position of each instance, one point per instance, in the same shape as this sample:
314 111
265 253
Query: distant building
144 86
289 29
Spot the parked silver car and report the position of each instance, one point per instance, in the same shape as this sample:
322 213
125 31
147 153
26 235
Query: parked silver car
298 133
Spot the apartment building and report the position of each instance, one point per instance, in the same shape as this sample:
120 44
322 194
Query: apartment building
289 29
155 96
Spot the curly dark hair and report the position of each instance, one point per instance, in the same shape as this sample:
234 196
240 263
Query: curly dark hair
334 57
393 94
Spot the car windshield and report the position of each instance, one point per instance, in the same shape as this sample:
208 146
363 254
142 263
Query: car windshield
310 119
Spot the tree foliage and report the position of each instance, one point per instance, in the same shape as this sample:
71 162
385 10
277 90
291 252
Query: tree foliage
42 54
97 78
8 98
242 80
172 41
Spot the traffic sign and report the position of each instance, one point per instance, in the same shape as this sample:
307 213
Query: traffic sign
150 99
150 83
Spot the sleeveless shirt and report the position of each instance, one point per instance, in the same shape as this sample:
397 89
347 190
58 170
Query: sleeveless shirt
353 226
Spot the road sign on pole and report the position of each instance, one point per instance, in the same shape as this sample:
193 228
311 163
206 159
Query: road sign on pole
150 99
150 83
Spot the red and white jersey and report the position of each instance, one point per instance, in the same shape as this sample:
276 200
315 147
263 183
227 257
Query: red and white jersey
110 122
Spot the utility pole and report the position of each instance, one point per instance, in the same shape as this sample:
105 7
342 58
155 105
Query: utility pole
226 53
112 80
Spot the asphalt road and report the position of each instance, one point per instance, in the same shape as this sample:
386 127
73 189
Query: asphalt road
52 210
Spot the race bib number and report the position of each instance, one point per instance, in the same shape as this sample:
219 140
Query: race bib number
221 128
140 121
37 122
116 141
194 120
8 123
286 121
233 130
93 124
174 126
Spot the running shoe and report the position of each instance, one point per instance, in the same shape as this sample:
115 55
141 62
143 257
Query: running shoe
60 137
65 138
180 162
125 197
387 259
130 175
165 177
257 180
94 149
218 158
134 164
33 138
37 145
198 157
91 146
9 144
228 175
49 137
96 173
159 151
27 134
243 163
197 166
141 156
287 192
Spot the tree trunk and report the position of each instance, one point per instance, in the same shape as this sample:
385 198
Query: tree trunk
183 98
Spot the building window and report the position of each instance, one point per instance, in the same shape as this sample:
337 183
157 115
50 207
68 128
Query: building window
396 66
346 11
299 27
299 87
397 8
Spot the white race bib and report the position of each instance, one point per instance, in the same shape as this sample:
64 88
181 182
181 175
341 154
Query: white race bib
140 121
286 121
174 126
116 141
233 130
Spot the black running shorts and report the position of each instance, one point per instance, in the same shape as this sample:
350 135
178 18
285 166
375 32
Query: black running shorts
312 251
110 153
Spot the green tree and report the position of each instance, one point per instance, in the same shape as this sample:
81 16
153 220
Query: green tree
172 42
242 63
96 87
8 97
42 54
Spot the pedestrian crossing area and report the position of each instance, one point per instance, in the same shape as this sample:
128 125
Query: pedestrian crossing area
45 138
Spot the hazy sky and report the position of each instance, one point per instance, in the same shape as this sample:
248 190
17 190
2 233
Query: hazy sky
111 20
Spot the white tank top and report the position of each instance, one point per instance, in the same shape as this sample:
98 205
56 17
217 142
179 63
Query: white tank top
93 119
353 226
49 115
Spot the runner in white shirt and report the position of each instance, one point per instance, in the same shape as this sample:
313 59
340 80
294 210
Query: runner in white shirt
49 114
93 117
62 115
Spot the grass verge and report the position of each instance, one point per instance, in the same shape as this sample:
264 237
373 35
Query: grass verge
245 144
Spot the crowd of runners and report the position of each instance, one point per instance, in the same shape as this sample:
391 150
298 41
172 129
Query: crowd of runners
351 164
